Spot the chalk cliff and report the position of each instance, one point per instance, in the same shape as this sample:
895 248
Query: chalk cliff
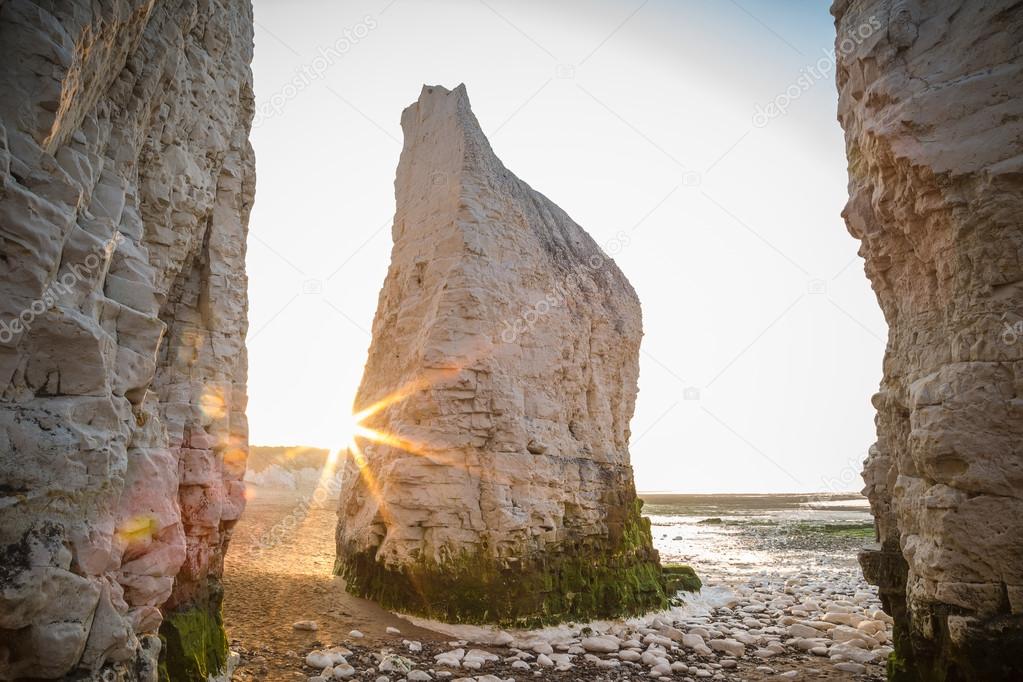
932 106
127 180
493 482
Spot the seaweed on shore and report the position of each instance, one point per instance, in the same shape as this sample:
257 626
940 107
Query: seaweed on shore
846 530
680 578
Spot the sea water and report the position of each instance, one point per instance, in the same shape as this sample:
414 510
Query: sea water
731 538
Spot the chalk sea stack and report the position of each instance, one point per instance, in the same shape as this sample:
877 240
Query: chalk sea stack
127 179
503 368
931 100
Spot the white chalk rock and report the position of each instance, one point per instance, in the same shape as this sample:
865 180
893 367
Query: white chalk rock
603 644
729 646
344 672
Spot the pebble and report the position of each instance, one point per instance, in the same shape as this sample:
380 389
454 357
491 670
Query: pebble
729 646
503 639
397 664
604 645
849 667
344 671
305 625
798 630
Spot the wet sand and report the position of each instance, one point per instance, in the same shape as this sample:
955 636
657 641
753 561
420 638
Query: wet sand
267 591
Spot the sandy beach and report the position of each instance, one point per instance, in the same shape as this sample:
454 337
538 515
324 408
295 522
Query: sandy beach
766 563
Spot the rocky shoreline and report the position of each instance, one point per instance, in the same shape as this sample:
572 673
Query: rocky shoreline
771 568
800 627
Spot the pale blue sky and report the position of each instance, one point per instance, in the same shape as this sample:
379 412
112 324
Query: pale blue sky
635 117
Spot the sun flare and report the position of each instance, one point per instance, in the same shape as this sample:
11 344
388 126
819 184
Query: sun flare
348 429
352 427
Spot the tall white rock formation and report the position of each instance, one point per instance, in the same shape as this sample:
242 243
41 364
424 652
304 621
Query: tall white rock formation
127 179
502 377
931 100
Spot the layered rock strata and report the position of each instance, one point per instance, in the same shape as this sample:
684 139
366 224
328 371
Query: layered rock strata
127 180
492 482
931 100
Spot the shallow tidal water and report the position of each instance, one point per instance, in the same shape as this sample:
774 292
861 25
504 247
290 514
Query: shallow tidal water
729 537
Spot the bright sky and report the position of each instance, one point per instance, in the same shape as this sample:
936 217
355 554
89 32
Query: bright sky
763 340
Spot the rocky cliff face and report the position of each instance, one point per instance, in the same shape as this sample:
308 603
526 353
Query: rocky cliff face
492 482
127 180
932 107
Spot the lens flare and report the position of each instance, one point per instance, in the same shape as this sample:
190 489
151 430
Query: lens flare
212 403
138 529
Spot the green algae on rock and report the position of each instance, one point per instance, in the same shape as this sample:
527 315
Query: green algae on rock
680 578
580 581
194 644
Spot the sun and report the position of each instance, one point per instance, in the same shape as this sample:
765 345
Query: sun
348 429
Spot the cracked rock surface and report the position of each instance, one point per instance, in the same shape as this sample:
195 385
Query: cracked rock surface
127 179
932 107
505 353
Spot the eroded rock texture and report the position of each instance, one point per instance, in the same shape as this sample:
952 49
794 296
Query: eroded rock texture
932 106
505 351
127 179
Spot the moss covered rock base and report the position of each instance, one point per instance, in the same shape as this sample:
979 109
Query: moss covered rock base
618 576
194 644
